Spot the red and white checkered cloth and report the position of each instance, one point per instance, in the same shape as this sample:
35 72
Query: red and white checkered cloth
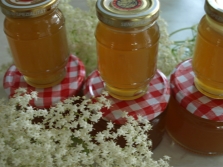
185 92
47 97
148 106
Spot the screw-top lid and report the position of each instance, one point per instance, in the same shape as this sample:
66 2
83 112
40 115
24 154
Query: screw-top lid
27 8
149 106
187 95
214 9
70 86
127 13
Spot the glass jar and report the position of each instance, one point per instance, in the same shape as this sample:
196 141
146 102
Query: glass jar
151 106
193 120
127 45
37 38
207 59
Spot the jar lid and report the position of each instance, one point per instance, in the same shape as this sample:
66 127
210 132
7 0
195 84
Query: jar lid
127 13
27 8
214 9
149 106
47 97
185 92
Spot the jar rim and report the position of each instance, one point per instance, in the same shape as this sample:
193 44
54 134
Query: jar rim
135 13
214 9
27 8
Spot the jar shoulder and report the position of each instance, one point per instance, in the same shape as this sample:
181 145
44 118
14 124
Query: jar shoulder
34 27
137 37
209 26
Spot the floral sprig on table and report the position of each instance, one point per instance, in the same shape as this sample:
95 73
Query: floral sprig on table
62 135
80 27
184 49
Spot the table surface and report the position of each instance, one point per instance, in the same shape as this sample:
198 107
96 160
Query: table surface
178 14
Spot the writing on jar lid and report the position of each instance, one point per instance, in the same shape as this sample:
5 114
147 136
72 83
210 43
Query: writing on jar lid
26 14
27 8
23 2
127 4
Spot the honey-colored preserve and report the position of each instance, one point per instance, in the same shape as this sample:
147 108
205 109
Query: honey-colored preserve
39 46
193 133
127 60
208 54
127 45
193 120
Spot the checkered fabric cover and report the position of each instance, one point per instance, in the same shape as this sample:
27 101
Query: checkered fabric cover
185 92
47 97
149 106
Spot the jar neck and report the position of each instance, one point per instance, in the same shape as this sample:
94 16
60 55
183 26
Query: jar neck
129 30
214 24
48 14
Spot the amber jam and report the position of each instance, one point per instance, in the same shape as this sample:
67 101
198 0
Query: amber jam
207 59
193 120
37 38
151 106
127 46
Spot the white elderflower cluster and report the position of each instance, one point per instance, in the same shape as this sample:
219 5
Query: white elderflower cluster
80 27
184 49
62 135
166 61
172 52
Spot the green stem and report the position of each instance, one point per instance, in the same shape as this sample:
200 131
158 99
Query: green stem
182 29
189 40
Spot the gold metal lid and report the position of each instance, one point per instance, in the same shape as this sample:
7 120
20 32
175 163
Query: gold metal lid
214 9
27 8
127 13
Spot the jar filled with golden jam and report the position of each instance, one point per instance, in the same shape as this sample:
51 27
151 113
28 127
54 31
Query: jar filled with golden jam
208 59
36 34
193 120
127 38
